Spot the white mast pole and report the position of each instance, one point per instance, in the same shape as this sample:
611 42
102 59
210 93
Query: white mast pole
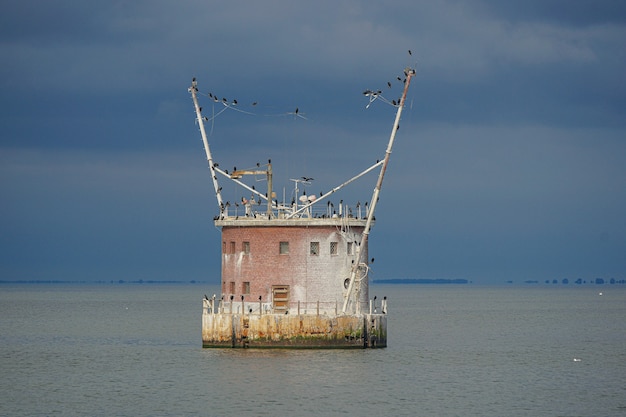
193 90
368 224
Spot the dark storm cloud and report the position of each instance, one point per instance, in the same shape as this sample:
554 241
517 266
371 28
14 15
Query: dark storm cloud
509 148
560 12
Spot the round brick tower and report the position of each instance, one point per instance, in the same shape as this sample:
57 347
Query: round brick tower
292 263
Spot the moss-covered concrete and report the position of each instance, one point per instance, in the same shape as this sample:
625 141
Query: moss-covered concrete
294 331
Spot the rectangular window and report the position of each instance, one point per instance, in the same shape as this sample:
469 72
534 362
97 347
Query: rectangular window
246 248
349 249
333 248
315 248
232 287
232 247
223 247
284 248
246 288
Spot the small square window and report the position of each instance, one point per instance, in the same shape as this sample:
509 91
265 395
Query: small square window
232 247
333 248
246 248
246 288
284 248
315 248
232 287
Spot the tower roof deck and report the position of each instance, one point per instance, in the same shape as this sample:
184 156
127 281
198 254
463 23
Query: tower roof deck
262 220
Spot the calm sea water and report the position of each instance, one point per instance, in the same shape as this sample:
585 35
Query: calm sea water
135 350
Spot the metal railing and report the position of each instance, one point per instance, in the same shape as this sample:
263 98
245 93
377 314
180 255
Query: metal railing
232 306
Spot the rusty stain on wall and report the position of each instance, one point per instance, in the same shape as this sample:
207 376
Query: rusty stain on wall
294 331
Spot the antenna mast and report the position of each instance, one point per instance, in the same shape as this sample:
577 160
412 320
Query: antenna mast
368 225
193 90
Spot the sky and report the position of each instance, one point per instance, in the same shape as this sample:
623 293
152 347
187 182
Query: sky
509 163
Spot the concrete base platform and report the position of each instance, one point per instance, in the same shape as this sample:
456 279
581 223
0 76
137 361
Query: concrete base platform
308 331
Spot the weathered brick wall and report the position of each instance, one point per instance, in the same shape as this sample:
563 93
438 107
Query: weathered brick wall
310 278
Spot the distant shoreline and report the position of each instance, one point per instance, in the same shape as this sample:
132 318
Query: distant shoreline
420 281
103 282
395 281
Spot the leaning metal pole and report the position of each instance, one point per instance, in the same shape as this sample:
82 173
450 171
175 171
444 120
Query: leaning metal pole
368 225
193 90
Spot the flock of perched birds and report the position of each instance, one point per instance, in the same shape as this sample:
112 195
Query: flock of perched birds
371 94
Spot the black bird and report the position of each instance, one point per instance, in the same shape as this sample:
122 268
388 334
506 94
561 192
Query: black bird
194 79
254 104
410 52
297 110
211 95
235 102
388 84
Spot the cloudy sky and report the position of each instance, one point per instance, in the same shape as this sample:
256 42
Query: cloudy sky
510 162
